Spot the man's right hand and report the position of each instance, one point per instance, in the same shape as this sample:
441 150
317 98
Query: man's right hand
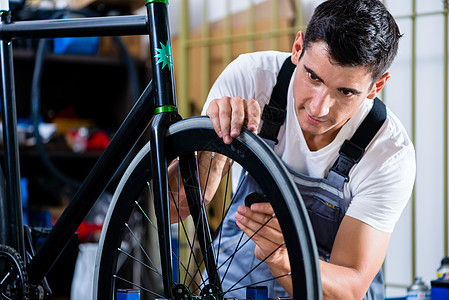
228 115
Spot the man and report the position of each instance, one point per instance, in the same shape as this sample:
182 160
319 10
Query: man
340 66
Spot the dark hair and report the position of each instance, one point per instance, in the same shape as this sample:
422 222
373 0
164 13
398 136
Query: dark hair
357 32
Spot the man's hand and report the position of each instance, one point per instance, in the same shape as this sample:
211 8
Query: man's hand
228 115
269 239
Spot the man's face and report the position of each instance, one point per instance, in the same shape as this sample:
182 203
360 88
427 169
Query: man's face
327 95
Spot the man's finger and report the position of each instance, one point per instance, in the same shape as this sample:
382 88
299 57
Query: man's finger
237 115
252 115
212 113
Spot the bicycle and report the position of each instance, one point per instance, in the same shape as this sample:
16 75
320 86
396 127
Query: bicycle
143 192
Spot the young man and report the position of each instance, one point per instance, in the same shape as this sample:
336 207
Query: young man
340 65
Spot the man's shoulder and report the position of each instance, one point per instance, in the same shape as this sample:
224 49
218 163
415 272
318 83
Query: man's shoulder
392 143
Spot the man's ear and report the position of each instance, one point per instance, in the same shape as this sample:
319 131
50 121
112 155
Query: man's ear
297 47
378 86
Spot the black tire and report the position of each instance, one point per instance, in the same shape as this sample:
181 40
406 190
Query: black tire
189 136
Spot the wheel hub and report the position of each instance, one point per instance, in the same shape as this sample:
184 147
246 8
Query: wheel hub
209 292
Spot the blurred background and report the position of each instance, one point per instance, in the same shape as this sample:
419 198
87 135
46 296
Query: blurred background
207 35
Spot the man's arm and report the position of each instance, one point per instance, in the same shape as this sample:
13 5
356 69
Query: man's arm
211 170
356 257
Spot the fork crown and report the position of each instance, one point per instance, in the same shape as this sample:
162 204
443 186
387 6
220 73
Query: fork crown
156 1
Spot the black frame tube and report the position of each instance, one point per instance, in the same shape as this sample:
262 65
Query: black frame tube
160 191
132 128
13 201
136 122
76 27
160 38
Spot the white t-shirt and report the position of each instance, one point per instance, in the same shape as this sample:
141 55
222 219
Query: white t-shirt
380 184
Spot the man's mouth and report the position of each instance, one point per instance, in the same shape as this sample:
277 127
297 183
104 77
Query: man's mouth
313 120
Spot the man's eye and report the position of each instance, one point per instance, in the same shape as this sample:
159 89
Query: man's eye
313 77
347 92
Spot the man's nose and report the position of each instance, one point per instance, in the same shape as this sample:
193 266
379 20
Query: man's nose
319 105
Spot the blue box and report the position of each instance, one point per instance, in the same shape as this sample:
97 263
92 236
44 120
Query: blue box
128 294
440 289
76 45
257 293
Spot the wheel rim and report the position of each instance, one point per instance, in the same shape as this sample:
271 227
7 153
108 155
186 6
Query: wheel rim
181 277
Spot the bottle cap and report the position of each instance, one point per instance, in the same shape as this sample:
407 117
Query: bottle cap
445 261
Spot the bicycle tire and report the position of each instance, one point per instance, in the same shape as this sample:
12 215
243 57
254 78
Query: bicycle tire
187 136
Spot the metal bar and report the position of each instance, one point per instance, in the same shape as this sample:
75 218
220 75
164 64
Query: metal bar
299 18
15 236
251 25
205 53
424 14
413 137
241 37
98 26
275 23
183 61
122 142
227 56
445 101
395 285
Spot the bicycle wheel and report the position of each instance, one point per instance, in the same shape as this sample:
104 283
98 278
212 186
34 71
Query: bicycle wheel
128 256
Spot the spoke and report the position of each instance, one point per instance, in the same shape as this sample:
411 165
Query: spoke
238 248
138 286
203 217
5 278
232 202
146 216
151 192
188 241
139 261
255 267
187 271
208 173
192 252
197 224
140 245
3 296
223 212
263 281
232 256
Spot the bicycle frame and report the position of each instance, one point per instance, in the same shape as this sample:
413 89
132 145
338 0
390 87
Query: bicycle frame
158 101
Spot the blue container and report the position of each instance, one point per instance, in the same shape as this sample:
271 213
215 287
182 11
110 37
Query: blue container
440 289
76 45
24 191
257 293
128 294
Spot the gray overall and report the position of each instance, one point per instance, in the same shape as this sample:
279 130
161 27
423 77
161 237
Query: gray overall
323 198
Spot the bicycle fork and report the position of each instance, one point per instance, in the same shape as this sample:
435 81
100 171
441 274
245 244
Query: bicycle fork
166 114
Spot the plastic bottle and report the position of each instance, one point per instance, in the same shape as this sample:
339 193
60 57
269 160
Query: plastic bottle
443 270
418 290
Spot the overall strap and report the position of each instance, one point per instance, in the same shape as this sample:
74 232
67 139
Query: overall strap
352 150
274 112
